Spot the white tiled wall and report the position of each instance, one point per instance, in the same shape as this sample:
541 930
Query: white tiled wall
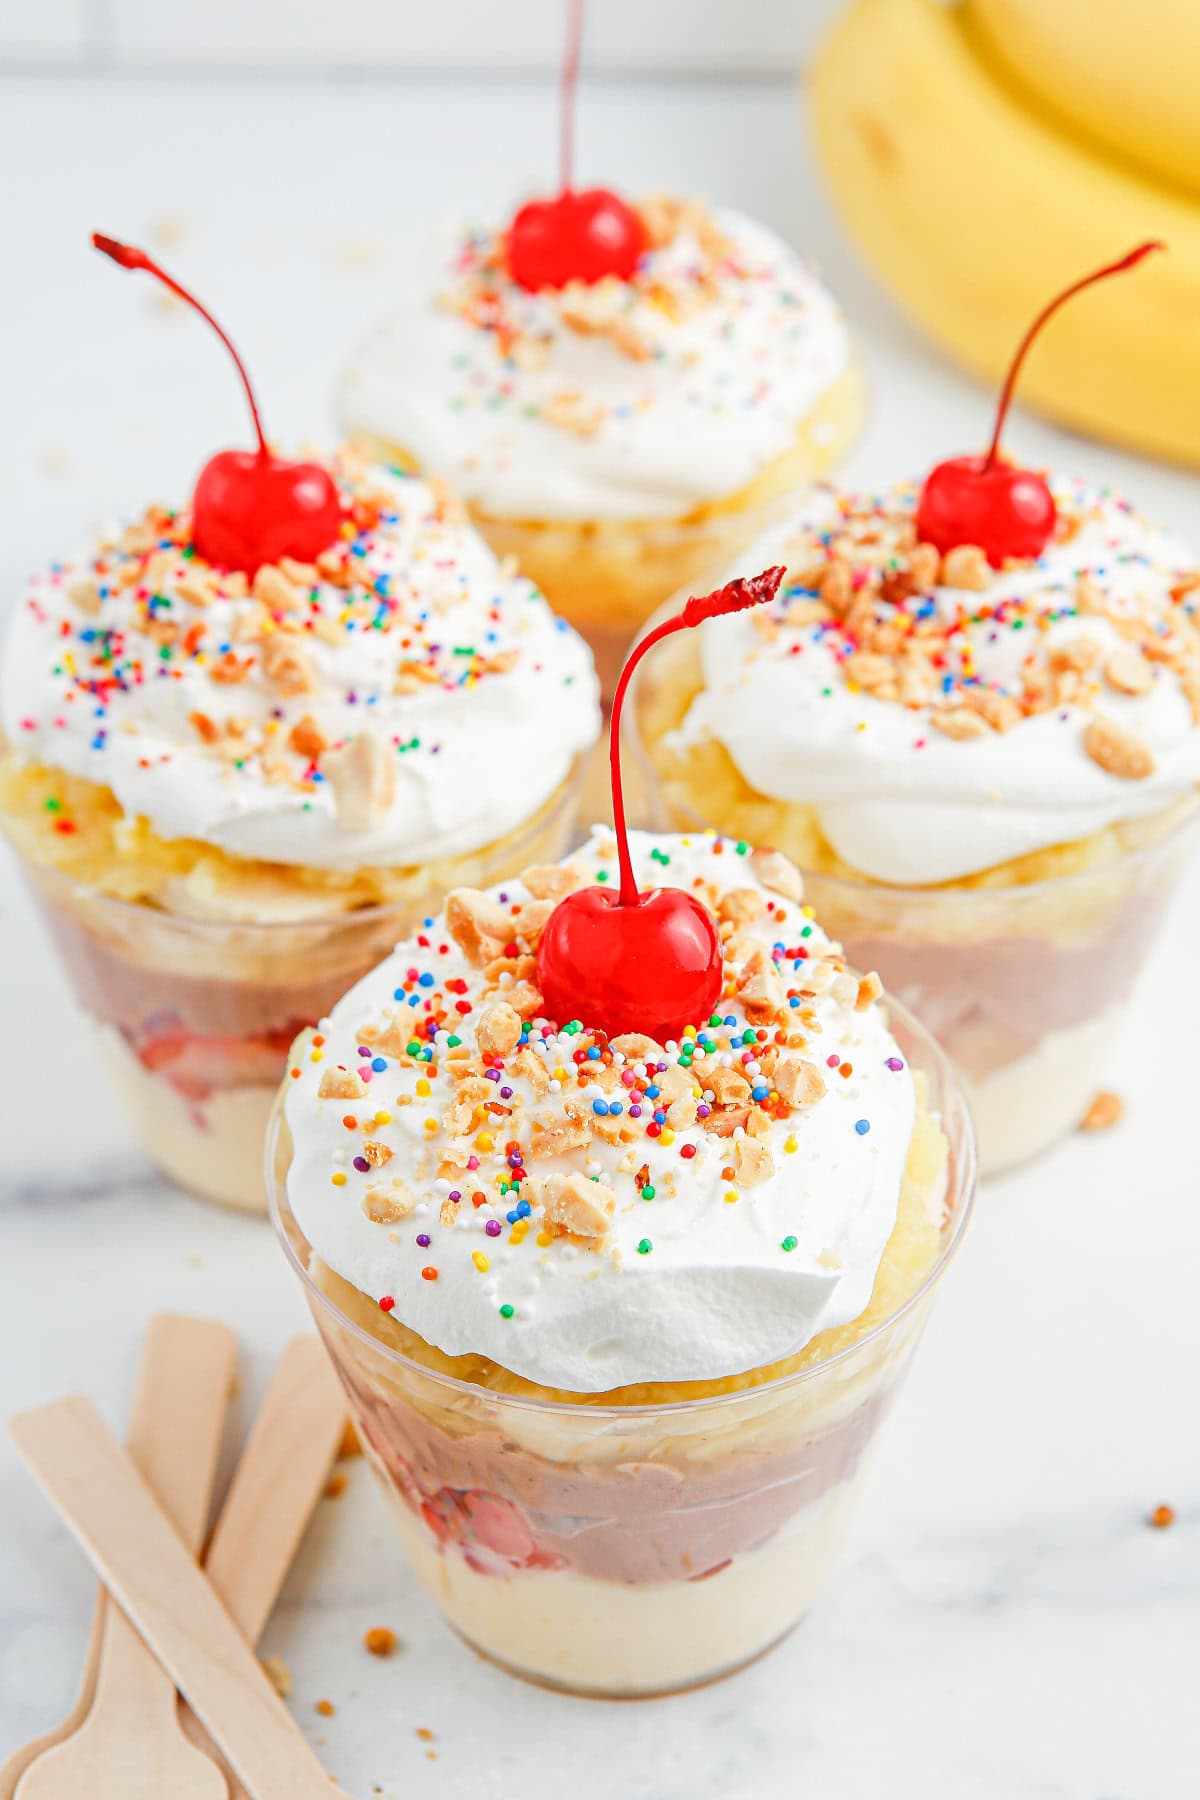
748 37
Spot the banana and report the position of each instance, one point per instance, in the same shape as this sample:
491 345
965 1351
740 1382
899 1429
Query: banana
1121 73
973 208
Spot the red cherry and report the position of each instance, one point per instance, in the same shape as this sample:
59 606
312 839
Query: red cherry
653 967
576 237
250 506
631 961
1006 510
250 509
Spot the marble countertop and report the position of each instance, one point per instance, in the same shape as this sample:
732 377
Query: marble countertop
1005 1623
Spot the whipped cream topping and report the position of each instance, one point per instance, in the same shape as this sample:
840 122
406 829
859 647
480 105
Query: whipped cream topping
593 1214
406 699
624 400
940 716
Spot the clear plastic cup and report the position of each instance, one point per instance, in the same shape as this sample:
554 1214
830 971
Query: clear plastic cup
1025 984
626 1550
194 1016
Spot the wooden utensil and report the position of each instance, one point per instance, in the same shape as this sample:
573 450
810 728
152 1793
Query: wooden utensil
128 1742
131 1544
281 1476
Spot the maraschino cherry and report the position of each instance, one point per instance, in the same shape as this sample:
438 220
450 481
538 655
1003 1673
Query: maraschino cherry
984 500
574 237
250 507
634 961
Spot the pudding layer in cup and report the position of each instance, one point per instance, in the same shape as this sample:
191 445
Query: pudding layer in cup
620 438
231 796
988 776
619 1385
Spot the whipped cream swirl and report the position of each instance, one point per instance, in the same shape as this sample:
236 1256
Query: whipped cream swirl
625 400
942 719
408 698
592 1214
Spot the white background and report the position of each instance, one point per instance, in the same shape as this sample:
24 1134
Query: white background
1005 1625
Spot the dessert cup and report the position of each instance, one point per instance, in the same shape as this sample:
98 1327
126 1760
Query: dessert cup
988 777
626 1550
232 794
194 1015
619 436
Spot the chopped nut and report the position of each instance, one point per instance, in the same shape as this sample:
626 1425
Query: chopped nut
797 1082
307 738
287 666
376 1153
682 1113
380 1641
341 1084
752 1161
529 1064
479 926
635 1046
362 775
84 595
923 564
760 988
1117 751
959 722
570 412
550 881
778 873
499 1029
1078 654
273 588
576 1205
966 566
1104 1112
869 990
204 727
728 1087
561 1137
278 1674
525 998
741 906
1128 672
387 1204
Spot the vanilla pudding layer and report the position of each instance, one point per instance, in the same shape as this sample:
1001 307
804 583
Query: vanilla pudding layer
612 1640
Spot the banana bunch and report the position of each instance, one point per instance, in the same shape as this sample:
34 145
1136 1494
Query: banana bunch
983 153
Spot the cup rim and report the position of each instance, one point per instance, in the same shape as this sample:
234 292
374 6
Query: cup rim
561 802
962 1188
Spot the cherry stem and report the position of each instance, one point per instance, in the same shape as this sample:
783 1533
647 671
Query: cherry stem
570 81
1129 261
127 256
735 596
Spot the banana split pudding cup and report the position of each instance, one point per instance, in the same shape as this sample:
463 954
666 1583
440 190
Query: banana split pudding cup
987 771
619 434
619 1315
233 793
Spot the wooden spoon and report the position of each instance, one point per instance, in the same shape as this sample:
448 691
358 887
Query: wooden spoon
281 1476
128 1538
130 1744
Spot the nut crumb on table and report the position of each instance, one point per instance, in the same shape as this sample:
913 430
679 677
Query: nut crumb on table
1105 1111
